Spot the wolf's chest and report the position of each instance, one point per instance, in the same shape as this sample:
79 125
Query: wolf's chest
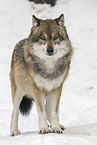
48 84
49 73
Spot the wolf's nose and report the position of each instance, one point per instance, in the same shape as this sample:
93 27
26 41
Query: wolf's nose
50 51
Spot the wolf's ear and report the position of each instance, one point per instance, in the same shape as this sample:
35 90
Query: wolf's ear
36 21
60 20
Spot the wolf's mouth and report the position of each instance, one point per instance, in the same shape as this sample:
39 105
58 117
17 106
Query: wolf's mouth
50 54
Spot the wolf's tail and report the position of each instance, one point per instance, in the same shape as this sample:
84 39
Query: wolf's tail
26 105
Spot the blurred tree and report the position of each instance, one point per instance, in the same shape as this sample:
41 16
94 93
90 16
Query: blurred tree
51 2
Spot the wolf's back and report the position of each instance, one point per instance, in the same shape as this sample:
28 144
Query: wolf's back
18 53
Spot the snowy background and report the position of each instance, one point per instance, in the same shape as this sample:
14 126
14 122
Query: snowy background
78 108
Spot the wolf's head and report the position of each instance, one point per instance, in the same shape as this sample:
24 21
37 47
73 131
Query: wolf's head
49 38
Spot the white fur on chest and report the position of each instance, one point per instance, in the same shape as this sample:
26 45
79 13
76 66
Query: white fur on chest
48 84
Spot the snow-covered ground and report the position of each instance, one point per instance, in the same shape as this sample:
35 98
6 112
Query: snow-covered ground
78 108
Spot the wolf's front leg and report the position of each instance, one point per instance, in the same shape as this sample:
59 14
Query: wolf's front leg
39 100
52 110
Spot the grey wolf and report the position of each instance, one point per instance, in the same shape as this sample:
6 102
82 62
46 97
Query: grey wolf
39 67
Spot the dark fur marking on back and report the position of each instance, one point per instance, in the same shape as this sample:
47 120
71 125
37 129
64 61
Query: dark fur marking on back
18 53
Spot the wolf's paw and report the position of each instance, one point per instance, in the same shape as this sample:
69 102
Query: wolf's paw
44 131
56 130
15 133
62 127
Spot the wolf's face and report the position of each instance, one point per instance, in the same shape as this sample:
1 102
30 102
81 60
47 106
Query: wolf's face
49 39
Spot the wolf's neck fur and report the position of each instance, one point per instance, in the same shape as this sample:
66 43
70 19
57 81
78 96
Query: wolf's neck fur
43 68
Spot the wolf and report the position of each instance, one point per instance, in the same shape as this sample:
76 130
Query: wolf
39 67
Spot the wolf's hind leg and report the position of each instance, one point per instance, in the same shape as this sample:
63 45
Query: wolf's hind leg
14 122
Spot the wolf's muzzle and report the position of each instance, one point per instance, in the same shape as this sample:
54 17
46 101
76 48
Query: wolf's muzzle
50 51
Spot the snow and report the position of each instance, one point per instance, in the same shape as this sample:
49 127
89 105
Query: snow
78 107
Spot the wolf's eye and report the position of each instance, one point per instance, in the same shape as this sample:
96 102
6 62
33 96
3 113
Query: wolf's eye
42 37
56 37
